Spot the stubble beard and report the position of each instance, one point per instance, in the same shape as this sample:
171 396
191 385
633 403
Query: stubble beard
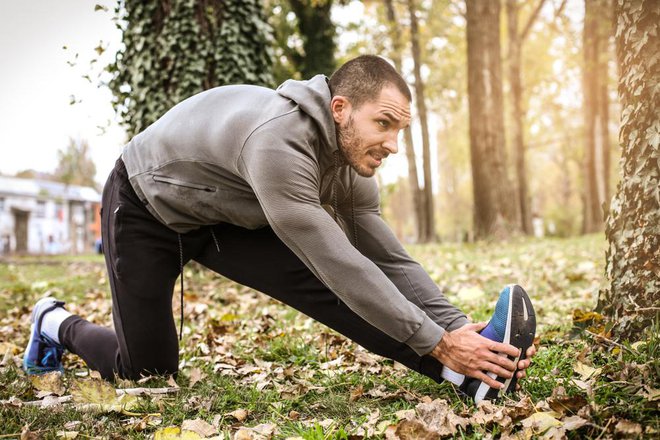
349 143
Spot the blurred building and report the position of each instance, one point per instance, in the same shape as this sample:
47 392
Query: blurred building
43 217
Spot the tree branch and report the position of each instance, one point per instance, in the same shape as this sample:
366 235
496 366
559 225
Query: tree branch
532 18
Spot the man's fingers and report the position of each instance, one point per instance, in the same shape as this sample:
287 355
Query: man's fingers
489 380
525 363
507 349
501 361
499 371
531 351
521 374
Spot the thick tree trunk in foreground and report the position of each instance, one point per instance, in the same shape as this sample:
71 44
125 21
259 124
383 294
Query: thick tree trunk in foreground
428 233
413 181
633 226
495 213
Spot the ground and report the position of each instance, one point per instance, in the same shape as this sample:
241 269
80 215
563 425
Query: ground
253 368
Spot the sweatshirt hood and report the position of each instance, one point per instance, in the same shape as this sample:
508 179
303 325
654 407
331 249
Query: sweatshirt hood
313 97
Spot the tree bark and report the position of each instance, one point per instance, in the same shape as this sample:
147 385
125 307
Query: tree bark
632 298
413 180
495 212
428 233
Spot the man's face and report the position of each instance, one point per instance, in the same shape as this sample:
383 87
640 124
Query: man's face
369 134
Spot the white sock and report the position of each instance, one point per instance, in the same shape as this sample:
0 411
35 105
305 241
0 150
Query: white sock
452 376
50 324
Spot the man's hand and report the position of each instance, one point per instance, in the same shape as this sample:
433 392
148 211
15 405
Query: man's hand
467 352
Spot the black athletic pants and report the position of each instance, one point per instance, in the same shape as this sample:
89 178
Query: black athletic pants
143 261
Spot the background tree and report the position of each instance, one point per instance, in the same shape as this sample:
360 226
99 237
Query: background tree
633 225
428 211
75 165
395 31
176 48
317 31
596 114
516 39
495 212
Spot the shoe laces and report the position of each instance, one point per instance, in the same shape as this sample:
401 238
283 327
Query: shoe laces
51 353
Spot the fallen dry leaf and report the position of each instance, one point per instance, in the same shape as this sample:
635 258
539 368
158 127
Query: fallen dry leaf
175 433
542 421
626 427
574 422
410 430
239 414
356 393
99 395
199 426
196 375
48 383
585 371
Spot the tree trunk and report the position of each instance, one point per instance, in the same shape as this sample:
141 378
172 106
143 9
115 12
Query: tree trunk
318 34
495 213
632 298
592 219
516 40
428 233
413 181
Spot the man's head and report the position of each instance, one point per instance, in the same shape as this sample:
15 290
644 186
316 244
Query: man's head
370 105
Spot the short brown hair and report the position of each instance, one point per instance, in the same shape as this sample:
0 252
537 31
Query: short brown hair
362 79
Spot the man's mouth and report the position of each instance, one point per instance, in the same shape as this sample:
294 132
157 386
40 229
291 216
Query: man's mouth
378 157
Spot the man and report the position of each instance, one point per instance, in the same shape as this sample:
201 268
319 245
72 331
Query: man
272 188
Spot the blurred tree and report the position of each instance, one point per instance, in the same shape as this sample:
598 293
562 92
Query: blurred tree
318 37
176 48
395 32
597 25
516 40
495 212
632 298
75 165
428 232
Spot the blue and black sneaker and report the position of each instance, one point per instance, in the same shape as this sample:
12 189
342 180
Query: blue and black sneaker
42 354
512 323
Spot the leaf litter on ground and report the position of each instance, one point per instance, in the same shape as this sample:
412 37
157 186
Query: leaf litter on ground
235 333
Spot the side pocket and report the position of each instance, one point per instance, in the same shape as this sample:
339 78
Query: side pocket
183 183
115 238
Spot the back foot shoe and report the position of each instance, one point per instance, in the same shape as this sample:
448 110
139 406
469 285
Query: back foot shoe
42 354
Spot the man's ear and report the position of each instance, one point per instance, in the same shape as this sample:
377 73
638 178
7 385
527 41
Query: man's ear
341 108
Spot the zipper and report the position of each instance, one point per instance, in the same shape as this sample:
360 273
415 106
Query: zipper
183 183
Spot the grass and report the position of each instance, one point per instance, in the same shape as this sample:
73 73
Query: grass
286 370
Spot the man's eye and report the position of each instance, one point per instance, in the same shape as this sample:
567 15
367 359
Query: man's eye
383 123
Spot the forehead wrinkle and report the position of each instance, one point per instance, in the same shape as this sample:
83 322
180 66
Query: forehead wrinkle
396 108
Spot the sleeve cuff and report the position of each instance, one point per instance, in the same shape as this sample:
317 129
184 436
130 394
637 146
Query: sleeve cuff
427 336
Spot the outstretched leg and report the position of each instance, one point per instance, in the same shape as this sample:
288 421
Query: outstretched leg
259 259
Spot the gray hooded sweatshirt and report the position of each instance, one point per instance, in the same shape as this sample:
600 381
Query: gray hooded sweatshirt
254 157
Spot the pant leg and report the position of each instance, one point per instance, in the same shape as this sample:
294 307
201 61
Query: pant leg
143 262
259 259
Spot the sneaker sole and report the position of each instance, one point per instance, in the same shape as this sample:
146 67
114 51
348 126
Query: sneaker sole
522 318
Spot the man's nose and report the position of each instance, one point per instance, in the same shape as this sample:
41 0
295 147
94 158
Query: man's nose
391 144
